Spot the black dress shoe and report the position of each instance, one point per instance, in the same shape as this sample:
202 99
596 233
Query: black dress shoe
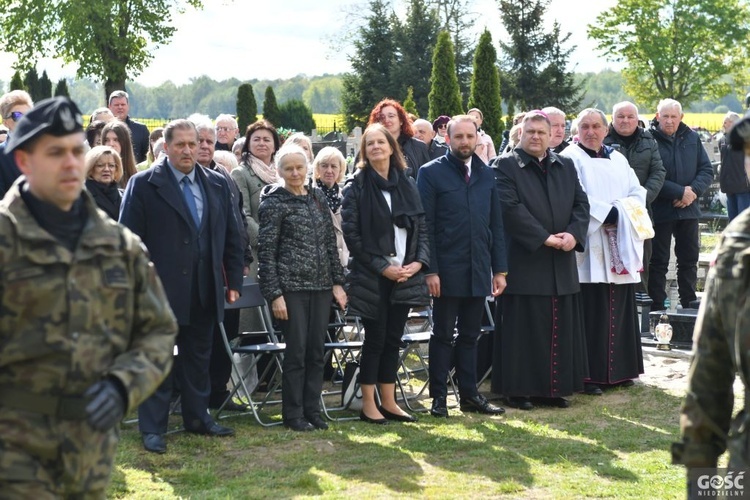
479 404
592 390
214 429
318 422
299 425
554 402
439 408
626 383
154 443
520 403
376 421
396 417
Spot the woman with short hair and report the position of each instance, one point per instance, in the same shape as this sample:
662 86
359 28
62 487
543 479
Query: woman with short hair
103 171
328 169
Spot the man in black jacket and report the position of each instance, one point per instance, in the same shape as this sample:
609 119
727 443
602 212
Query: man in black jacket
119 104
676 210
642 152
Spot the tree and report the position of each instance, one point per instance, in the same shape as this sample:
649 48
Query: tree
457 18
247 107
45 86
534 62
409 105
682 49
373 61
485 86
415 41
271 110
109 40
62 88
445 96
31 81
296 115
16 82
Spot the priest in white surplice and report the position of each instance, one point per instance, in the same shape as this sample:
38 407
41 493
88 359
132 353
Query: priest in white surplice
610 266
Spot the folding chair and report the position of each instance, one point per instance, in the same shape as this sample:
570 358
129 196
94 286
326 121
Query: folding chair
252 298
343 346
488 329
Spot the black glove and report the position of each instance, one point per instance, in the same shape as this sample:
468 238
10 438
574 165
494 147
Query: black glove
106 405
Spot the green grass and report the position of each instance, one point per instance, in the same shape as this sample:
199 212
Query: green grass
614 446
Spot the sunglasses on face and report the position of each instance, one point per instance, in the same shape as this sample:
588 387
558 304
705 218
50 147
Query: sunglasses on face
15 115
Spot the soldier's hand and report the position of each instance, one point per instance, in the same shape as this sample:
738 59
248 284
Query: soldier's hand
106 406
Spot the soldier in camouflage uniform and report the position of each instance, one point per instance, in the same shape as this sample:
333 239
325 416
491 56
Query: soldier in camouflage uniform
86 332
722 349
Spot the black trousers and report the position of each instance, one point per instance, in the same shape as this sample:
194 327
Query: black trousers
220 366
305 334
379 361
686 249
450 314
190 372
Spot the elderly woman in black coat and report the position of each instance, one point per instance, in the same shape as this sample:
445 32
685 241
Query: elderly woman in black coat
103 172
385 231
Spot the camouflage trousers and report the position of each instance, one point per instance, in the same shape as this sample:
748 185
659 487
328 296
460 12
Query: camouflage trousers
44 457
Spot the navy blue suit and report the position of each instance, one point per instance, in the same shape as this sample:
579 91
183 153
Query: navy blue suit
193 264
467 246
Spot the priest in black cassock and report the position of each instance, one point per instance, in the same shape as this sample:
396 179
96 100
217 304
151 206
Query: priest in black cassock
540 356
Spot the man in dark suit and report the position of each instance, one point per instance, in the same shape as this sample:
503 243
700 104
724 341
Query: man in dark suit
467 261
185 217
119 104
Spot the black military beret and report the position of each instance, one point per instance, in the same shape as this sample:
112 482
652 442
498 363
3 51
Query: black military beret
57 116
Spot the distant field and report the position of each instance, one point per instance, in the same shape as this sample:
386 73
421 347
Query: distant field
709 121
326 122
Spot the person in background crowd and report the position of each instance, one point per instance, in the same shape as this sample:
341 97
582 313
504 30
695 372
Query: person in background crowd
103 170
77 354
467 262
101 115
385 228
226 132
485 146
13 106
642 152
610 264
94 133
184 215
541 355
299 274
424 132
237 148
392 116
226 160
512 137
676 209
119 104
116 135
557 119
302 141
154 136
3 135
439 126
328 169
733 177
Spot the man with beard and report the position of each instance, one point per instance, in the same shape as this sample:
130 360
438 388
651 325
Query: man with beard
540 356
467 261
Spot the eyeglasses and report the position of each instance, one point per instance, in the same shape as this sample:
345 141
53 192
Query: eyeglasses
225 129
15 116
389 116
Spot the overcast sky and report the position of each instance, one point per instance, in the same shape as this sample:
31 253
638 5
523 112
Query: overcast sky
250 39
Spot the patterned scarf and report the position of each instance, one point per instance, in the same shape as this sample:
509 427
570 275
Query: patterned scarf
267 173
333 195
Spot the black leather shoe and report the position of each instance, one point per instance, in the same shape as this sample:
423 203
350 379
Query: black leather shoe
553 402
519 402
318 422
154 443
397 417
626 383
479 404
376 421
214 429
592 390
439 408
299 425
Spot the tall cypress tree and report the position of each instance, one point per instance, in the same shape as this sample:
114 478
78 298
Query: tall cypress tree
31 80
373 61
247 106
485 86
409 105
271 110
445 96
16 82
45 86
62 88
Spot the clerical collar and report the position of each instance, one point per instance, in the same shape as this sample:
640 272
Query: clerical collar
602 153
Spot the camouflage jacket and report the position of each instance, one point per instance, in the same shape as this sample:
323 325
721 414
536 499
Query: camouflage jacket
69 319
722 349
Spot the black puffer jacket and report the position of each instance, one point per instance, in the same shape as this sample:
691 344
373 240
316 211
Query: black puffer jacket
415 153
362 286
296 243
732 176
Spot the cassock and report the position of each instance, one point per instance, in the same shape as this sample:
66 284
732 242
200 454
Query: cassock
540 350
608 269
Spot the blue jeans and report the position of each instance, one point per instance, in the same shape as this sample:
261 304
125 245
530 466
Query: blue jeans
736 203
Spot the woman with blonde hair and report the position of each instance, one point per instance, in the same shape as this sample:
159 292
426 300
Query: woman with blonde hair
116 134
328 169
103 171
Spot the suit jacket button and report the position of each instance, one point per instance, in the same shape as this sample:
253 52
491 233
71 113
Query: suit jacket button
186 241
184 271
